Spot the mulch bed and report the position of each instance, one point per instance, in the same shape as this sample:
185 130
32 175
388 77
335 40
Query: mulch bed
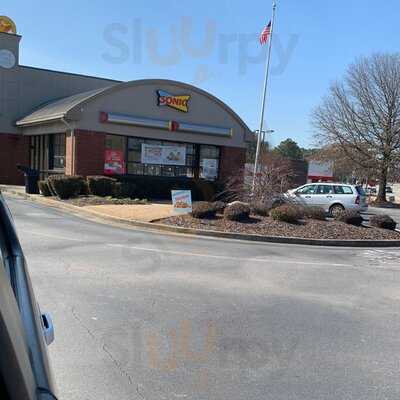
266 226
385 204
82 201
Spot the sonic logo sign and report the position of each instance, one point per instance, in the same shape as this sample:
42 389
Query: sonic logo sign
179 103
7 25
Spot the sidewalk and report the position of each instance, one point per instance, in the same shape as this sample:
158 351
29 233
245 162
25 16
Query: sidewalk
143 213
137 212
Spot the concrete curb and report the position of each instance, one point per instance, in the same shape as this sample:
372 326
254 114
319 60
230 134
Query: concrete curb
205 233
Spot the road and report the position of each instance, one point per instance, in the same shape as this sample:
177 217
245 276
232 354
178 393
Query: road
142 315
392 212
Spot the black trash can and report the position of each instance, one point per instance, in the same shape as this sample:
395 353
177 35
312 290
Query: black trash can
31 179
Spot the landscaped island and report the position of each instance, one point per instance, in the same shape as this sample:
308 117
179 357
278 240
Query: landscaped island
286 221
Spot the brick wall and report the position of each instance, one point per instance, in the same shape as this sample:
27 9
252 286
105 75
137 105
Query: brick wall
14 149
232 161
85 153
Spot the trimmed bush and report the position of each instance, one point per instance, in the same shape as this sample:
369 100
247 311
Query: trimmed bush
237 211
219 206
84 187
350 217
67 187
125 190
44 188
261 209
50 181
154 187
383 222
287 213
203 209
314 212
117 190
101 185
129 189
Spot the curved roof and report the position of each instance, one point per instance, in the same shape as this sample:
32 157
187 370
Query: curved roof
60 108
57 109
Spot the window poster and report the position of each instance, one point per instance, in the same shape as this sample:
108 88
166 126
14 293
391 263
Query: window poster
163 155
209 168
114 163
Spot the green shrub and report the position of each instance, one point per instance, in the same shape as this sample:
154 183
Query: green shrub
203 209
129 189
261 209
84 187
50 181
101 185
154 187
67 187
117 190
350 217
125 190
287 213
237 211
314 212
44 188
383 222
219 206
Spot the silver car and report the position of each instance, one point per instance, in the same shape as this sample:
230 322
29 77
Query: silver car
332 197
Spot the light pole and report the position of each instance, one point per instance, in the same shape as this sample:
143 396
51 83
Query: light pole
264 133
260 140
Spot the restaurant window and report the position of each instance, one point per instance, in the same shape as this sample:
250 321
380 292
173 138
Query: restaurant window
136 167
114 142
209 162
57 151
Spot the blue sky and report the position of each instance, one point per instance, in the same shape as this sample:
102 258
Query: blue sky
212 44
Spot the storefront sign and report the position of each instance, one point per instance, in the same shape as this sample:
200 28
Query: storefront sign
164 155
210 168
320 170
114 163
181 201
7 25
179 103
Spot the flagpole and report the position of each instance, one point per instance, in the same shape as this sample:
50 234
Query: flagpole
264 97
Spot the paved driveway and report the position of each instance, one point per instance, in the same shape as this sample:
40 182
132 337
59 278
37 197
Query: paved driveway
141 315
393 212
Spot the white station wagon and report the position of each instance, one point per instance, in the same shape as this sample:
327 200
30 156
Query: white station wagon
332 197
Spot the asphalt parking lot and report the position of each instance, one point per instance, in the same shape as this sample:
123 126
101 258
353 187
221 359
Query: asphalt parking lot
392 212
141 315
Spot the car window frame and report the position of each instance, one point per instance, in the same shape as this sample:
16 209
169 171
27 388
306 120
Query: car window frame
15 366
25 322
324 186
348 187
335 190
307 186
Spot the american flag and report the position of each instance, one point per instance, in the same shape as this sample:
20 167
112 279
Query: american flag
266 33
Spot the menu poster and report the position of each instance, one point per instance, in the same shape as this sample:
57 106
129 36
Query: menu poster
181 201
163 155
114 162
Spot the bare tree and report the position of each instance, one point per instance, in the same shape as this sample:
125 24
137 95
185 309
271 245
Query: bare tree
274 178
361 115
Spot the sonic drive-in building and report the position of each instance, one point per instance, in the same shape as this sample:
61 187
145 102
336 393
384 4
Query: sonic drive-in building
59 122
